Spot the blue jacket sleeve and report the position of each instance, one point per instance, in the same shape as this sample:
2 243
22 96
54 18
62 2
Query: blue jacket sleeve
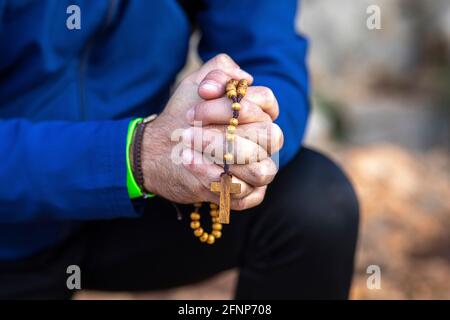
260 36
63 170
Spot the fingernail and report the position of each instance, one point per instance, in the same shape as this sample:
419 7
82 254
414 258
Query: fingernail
243 74
209 85
190 115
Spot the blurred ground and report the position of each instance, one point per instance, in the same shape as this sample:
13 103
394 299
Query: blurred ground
405 222
381 108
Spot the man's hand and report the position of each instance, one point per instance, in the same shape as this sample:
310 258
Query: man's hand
199 97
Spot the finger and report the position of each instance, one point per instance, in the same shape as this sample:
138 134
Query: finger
196 188
252 200
213 85
257 174
207 172
225 63
267 135
218 111
211 143
264 98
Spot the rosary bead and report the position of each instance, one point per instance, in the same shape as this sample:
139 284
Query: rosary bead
228 157
230 136
236 106
231 129
195 224
213 205
242 87
214 213
198 232
195 216
231 94
231 85
215 220
234 122
242 91
242 83
217 234
232 82
204 237
211 239
217 226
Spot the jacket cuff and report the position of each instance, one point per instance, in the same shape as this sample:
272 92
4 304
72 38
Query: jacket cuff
114 166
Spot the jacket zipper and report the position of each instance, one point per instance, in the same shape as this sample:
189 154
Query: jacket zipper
112 5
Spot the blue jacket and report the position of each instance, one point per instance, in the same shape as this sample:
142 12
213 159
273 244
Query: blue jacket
66 98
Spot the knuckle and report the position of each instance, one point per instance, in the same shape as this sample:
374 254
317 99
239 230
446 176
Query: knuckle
260 180
258 173
277 137
268 95
272 168
200 112
224 61
269 170
250 152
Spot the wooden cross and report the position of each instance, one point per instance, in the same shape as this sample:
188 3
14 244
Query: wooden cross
225 187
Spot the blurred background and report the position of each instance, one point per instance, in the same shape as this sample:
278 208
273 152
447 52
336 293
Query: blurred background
381 108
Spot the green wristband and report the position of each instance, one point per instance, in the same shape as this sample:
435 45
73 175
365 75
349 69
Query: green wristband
133 188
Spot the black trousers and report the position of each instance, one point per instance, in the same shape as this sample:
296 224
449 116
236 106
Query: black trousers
298 244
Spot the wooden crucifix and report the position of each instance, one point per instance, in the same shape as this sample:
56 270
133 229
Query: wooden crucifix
226 188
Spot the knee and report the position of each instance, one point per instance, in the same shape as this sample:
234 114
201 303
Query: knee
324 205
338 206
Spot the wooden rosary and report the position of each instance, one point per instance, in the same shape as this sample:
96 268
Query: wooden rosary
235 91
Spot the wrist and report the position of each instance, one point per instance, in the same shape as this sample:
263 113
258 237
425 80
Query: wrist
149 158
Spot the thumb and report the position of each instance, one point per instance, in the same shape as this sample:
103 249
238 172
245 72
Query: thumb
218 71
213 85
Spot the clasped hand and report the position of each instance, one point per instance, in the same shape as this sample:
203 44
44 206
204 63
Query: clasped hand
181 167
